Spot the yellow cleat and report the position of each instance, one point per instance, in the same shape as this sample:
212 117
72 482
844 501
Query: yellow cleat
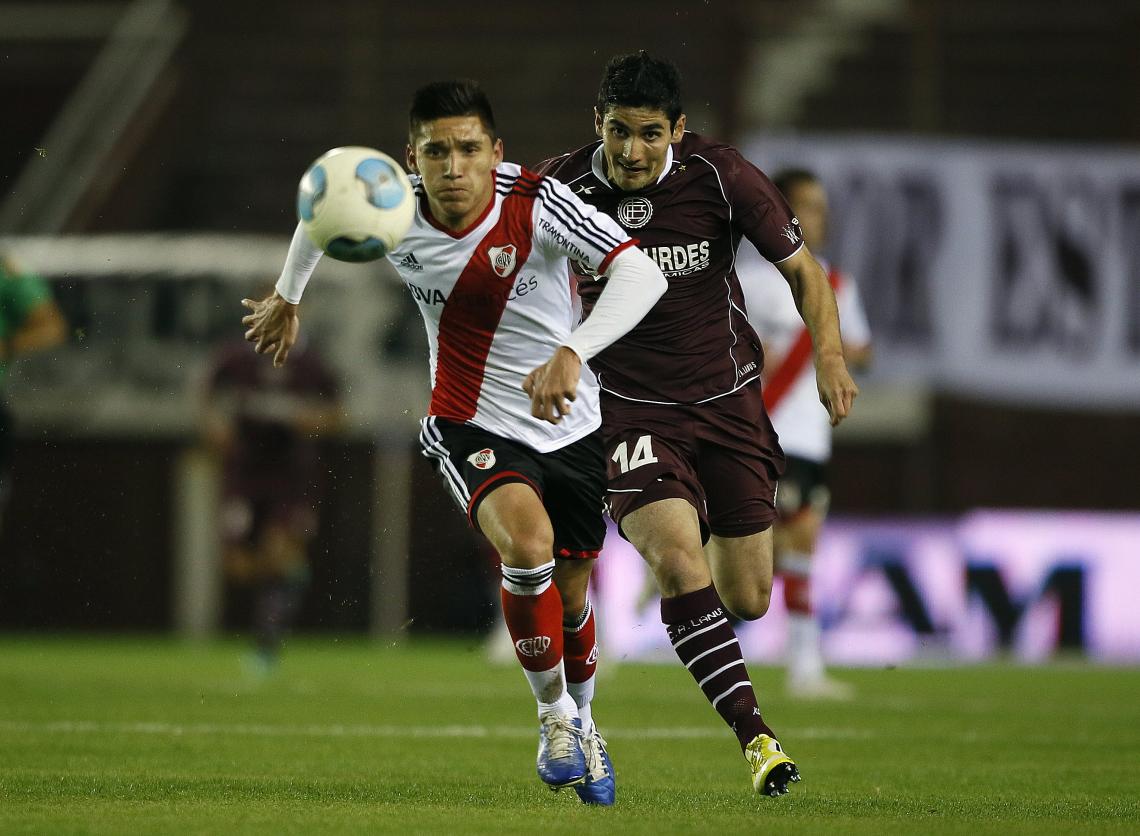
772 770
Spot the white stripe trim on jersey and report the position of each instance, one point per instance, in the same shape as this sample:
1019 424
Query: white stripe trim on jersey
667 169
731 391
731 330
732 264
731 269
730 690
569 183
720 670
625 490
564 210
568 206
710 650
598 167
785 258
432 442
505 183
716 623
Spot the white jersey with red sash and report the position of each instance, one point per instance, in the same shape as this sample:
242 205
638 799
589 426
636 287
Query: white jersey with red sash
790 393
496 302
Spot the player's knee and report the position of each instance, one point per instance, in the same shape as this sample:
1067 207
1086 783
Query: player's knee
800 532
528 548
748 604
573 600
573 581
677 569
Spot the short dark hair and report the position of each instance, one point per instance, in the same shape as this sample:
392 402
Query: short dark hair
787 179
640 80
461 97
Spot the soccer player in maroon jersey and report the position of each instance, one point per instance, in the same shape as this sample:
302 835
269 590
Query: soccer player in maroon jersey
485 260
693 459
263 424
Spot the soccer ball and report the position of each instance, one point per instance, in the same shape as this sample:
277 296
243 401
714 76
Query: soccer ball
356 203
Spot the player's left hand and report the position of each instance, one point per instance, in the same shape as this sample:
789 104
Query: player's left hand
837 391
273 326
553 384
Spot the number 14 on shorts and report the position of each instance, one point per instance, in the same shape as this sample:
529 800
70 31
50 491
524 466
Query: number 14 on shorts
642 454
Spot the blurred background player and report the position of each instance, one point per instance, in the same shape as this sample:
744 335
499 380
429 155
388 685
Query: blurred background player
693 460
265 425
801 422
29 321
485 258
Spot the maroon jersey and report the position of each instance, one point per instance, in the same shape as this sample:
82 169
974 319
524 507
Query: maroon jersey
696 343
267 448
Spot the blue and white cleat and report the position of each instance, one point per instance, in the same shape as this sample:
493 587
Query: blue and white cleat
599 787
561 761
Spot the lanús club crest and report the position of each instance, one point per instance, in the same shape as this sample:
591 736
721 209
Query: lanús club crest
634 212
503 259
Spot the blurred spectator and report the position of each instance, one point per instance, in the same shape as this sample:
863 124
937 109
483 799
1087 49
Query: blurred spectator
264 423
802 424
29 321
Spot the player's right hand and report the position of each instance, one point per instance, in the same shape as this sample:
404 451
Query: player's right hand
273 326
552 385
837 391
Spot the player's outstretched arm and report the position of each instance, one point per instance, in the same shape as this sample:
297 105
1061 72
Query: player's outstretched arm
634 285
816 302
274 322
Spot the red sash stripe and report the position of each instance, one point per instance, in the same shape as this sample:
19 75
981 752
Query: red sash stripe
784 377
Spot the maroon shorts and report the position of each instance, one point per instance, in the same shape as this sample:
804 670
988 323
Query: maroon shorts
721 456
246 512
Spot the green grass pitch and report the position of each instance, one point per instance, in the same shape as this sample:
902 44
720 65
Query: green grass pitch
153 736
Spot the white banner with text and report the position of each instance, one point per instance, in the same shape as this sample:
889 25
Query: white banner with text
1005 271
1027 585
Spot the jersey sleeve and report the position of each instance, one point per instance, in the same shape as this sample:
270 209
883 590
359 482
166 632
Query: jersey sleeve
568 227
760 211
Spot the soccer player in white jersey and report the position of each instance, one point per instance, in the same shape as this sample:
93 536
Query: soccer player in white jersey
802 424
485 260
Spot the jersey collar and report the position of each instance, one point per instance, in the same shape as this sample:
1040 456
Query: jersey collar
425 209
598 165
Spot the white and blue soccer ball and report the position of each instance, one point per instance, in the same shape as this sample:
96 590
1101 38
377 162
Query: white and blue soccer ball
356 203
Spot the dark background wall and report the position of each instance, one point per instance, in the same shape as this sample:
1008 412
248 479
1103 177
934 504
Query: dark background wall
257 90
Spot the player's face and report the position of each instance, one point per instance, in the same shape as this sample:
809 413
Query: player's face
455 157
809 202
635 142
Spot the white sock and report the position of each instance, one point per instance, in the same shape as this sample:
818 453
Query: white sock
549 689
805 656
583 695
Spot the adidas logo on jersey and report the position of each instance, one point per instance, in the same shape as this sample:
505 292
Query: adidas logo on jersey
533 647
410 262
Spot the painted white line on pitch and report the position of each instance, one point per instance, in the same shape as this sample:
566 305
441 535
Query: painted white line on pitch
262 730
